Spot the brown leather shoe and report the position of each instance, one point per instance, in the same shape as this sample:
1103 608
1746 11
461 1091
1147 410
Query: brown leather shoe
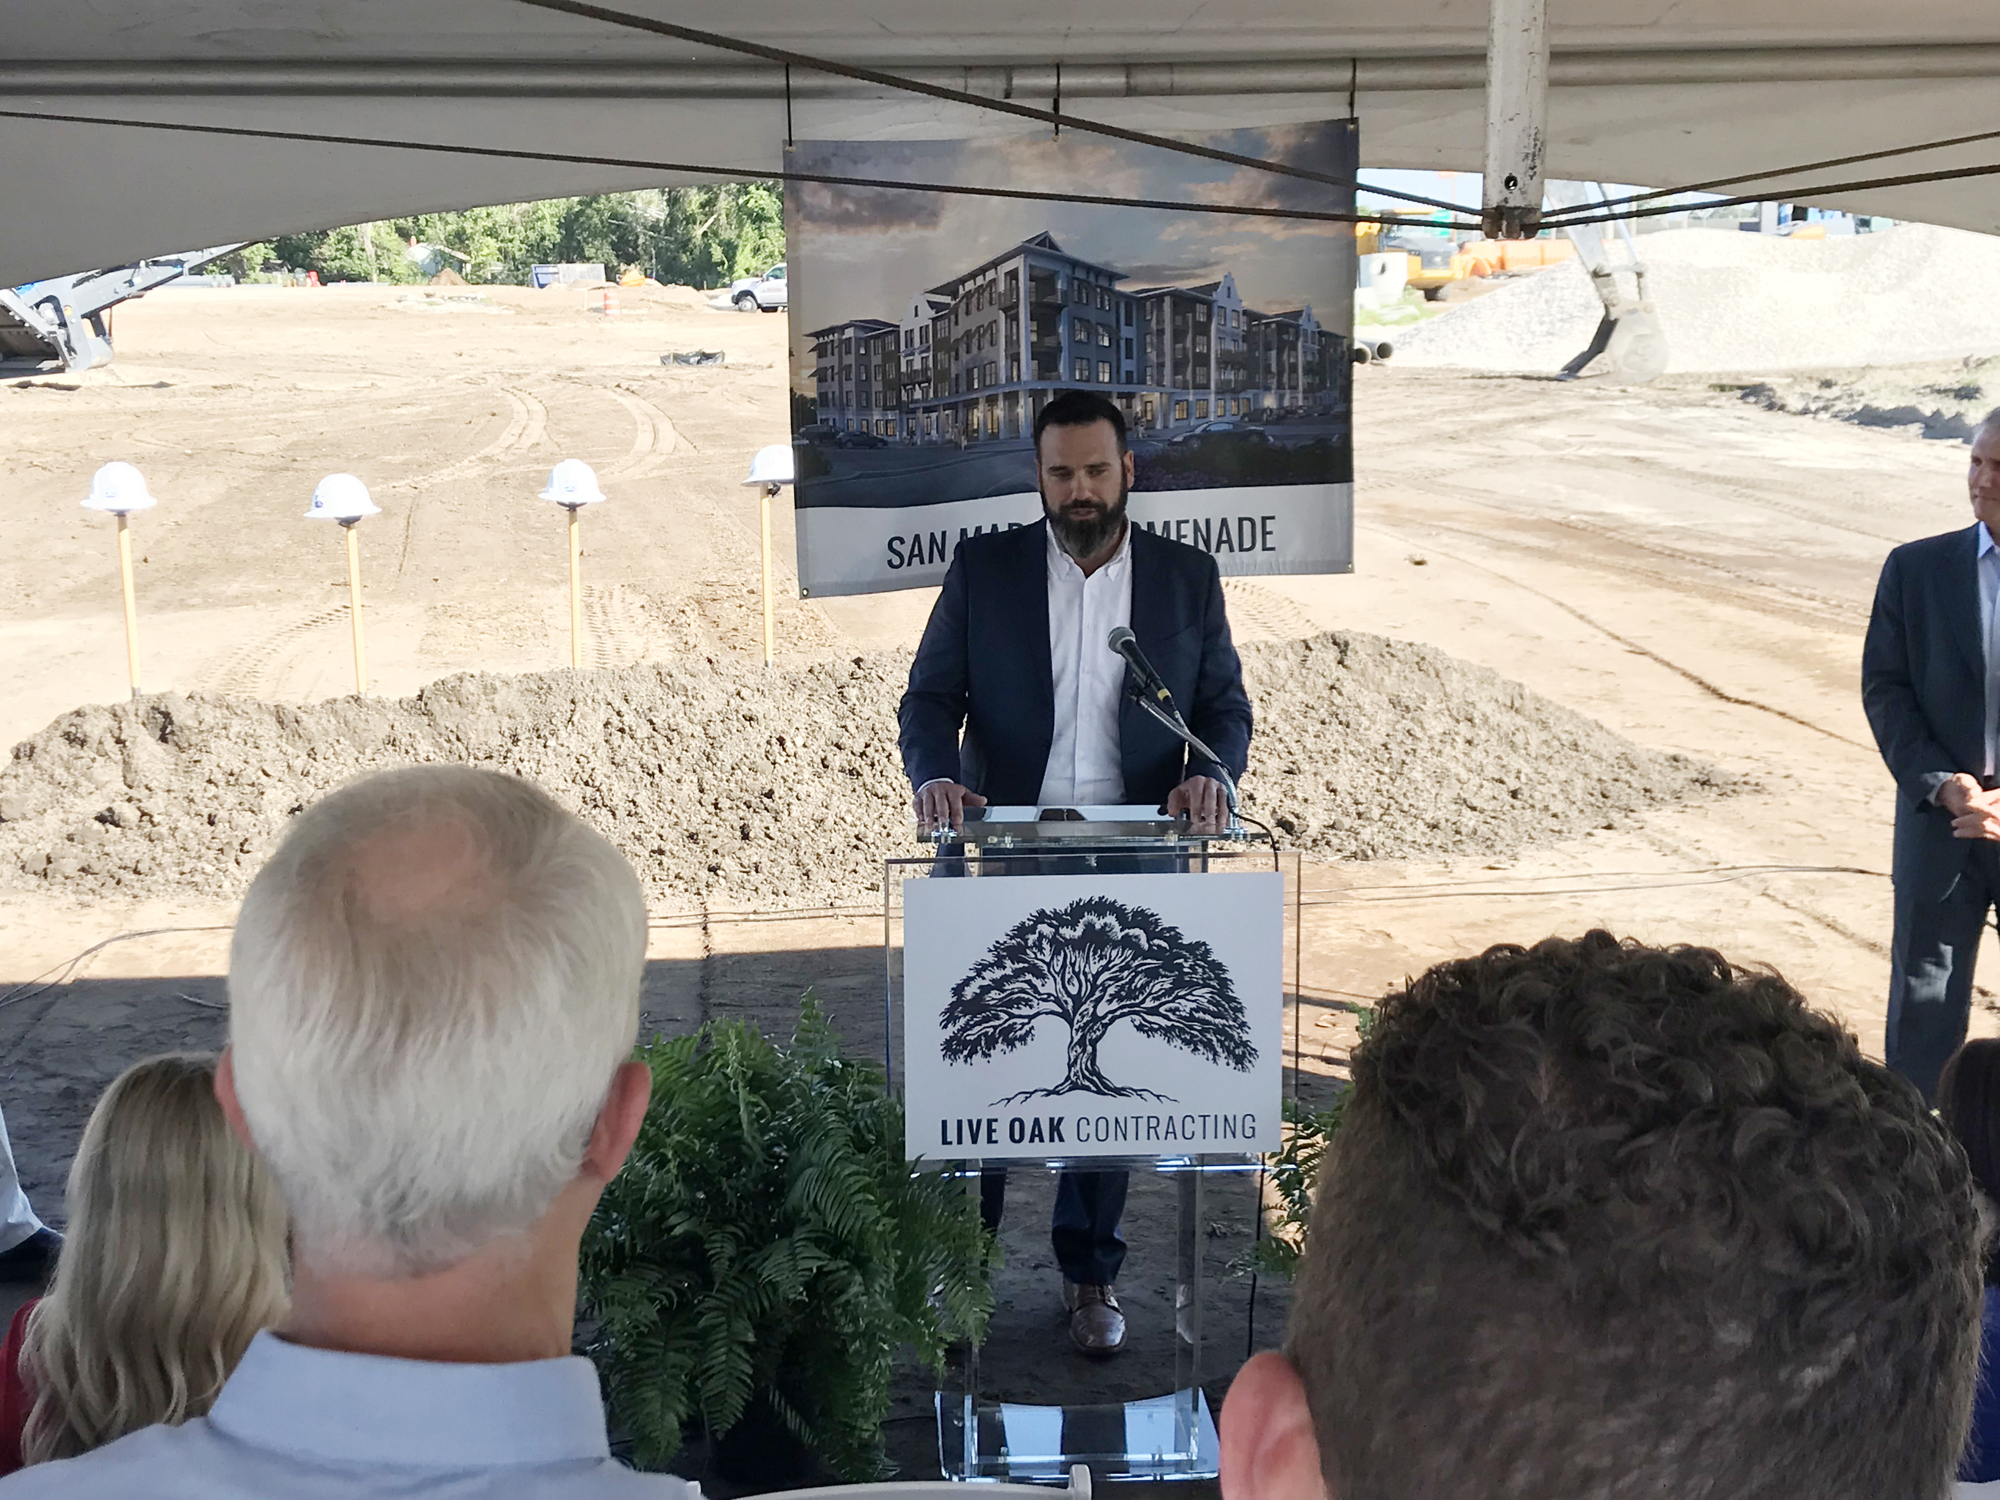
1095 1322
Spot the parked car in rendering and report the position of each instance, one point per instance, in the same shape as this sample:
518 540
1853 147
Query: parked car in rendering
859 440
769 292
1221 430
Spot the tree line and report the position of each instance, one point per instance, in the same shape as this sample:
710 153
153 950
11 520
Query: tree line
696 236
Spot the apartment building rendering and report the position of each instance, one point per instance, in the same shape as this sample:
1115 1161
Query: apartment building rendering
976 358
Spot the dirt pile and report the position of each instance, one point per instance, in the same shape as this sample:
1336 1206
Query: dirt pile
779 789
1748 302
1946 400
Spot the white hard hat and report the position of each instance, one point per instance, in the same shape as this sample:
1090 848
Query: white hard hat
772 465
119 489
573 483
341 497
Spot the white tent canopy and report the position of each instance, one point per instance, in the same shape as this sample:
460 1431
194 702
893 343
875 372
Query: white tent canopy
1640 92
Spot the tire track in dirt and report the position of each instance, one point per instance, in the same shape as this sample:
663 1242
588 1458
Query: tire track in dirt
259 665
256 667
617 626
1734 700
653 439
1257 613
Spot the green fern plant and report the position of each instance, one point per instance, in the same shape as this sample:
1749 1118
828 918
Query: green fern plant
767 1239
1294 1171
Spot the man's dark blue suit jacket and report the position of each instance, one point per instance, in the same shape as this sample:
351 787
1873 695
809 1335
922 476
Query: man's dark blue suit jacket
984 665
1923 685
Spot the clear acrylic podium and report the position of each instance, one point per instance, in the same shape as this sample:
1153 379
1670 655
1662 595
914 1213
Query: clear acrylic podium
1154 1434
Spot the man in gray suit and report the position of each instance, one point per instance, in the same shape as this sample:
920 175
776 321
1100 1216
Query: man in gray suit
1928 683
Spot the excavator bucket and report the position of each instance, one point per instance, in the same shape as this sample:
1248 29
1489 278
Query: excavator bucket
1629 348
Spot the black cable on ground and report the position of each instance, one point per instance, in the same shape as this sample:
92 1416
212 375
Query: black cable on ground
1054 117
29 989
728 174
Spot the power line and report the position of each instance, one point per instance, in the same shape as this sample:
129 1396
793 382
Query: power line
860 74
1558 216
1910 179
732 174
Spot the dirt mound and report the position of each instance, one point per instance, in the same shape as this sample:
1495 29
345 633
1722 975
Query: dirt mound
730 784
447 277
1945 399
1730 301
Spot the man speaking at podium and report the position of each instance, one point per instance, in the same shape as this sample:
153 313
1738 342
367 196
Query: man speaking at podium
1015 656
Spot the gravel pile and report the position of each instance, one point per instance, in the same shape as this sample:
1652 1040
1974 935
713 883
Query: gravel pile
1748 302
780 789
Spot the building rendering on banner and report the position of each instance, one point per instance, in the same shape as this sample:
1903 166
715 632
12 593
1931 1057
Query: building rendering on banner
976 358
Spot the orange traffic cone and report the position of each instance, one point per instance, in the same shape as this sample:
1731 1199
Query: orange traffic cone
610 304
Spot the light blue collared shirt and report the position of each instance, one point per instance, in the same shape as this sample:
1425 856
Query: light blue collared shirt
304 1424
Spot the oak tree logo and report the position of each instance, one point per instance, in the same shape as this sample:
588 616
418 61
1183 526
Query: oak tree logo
1091 965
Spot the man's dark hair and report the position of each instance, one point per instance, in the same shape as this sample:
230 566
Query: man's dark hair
1079 409
1606 1220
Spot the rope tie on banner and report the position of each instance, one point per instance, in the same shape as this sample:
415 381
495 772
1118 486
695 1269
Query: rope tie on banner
788 106
1057 111
1353 85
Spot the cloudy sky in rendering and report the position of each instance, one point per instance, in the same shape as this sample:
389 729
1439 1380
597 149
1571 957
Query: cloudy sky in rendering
865 252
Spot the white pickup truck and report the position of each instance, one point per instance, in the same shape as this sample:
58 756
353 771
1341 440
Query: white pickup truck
768 291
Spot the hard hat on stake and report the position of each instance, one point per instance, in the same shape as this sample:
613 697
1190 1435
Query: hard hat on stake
772 465
341 497
118 489
573 483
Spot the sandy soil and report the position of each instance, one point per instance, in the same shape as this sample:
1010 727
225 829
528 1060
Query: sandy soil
1689 569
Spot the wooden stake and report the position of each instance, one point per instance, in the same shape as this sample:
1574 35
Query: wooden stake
575 590
770 604
131 601
354 606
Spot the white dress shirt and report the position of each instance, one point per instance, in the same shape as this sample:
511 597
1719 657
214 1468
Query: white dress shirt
1084 768
294 1423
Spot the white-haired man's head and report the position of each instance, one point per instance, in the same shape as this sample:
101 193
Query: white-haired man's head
432 984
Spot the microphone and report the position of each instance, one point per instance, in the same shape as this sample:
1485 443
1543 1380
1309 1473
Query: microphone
1152 695
1122 641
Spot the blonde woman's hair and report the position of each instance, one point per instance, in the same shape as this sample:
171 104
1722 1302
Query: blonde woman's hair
175 1257
432 982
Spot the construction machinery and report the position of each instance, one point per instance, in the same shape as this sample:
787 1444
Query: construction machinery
65 321
1629 346
1439 258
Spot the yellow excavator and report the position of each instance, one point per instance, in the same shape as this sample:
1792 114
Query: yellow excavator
1437 258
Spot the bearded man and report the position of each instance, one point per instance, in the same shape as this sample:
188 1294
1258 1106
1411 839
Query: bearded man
1014 657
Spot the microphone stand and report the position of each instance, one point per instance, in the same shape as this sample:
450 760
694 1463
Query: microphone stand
1171 718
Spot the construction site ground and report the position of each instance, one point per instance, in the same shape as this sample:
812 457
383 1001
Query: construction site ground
1690 569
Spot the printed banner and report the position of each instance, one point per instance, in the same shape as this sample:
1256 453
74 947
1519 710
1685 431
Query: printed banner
930 329
1092 1016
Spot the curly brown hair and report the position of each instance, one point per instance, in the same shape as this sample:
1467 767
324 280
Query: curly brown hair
1605 1220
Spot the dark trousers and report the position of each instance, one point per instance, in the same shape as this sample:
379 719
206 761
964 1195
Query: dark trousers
1084 1229
1930 973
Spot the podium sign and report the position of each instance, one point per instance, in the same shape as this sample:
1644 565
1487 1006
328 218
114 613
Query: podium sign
1077 1016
